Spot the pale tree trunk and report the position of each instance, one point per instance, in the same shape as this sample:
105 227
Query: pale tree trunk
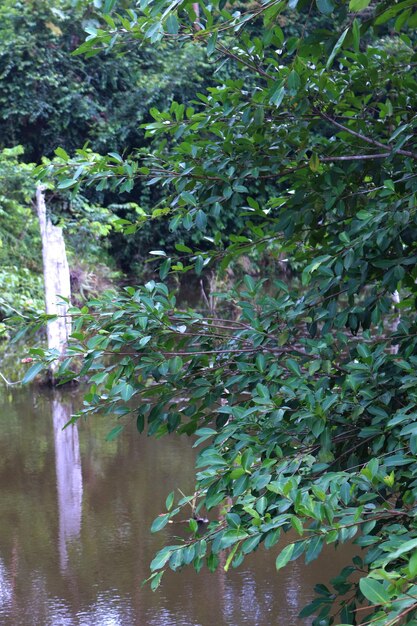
56 281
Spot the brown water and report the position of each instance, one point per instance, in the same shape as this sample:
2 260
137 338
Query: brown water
75 545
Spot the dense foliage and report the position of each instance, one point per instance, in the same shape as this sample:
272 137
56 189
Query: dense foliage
302 392
50 98
20 283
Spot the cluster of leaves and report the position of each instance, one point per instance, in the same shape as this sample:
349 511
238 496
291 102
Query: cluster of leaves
304 398
50 98
21 287
19 235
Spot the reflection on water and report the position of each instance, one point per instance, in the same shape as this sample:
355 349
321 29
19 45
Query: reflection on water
6 587
75 545
68 477
106 611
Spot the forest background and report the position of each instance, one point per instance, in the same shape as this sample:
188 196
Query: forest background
264 154
51 99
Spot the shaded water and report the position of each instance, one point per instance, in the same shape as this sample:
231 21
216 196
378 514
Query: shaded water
75 545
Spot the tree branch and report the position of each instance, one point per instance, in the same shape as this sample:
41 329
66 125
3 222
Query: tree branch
373 142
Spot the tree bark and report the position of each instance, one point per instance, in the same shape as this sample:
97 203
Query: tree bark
56 282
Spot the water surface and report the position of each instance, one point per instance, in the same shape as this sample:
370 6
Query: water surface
75 546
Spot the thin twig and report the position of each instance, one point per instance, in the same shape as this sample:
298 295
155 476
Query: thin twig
365 138
8 382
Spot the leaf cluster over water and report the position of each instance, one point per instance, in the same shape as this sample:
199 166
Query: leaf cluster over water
303 394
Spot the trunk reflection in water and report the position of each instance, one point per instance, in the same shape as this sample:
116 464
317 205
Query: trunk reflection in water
75 546
68 476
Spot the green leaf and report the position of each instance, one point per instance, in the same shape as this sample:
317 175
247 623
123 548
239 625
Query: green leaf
358 5
336 48
374 591
169 501
140 422
193 524
199 264
314 163
262 391
188 198
175 364
405 547
248 459
165 268
211 43
108 5
127 392
32 372
412 565
297 525
230 557
115 432
356 28
60 152
293 81
315 546
201 220
393 11
250 544
272 538
116 156
161 559
285 556
293 367
66 183
277 94
156 581
182 248
172 25
261 362
160 522
232 536
233 520
325 6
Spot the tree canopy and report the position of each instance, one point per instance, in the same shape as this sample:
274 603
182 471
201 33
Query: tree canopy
50 97
301 389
